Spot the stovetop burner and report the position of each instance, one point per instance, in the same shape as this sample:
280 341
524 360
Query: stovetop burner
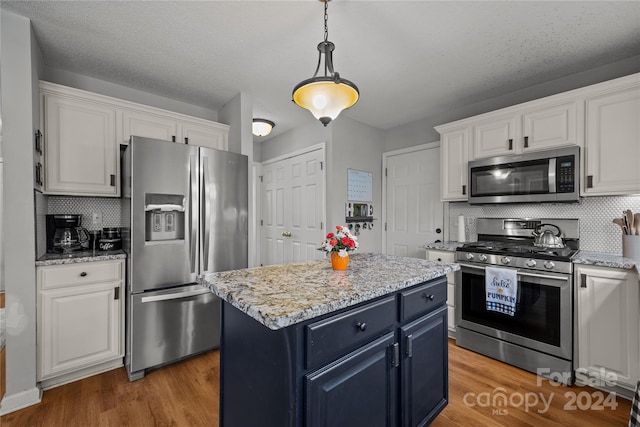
518 248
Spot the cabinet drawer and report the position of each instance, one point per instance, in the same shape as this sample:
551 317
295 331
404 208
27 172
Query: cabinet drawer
422 299
57 276
442 256
332 336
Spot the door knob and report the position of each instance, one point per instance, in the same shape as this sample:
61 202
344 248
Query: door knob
286 233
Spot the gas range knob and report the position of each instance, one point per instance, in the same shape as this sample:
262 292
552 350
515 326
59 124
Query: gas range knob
483 257
549 265
469 257
531 263
505 260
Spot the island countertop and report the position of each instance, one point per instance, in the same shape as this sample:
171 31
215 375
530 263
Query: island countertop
282 295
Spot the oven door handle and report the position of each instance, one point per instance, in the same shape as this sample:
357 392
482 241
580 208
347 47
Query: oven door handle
545 276
540 276
471 266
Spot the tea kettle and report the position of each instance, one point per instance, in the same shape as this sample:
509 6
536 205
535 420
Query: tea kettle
546 238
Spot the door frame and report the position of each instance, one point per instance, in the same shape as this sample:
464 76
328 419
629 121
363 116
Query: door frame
322 146
385 156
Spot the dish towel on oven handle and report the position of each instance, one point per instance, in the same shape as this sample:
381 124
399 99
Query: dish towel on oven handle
501 286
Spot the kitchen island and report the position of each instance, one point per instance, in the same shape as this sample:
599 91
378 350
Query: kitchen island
303 345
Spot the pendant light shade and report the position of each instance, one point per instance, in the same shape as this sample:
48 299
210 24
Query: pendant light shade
262 127
326 96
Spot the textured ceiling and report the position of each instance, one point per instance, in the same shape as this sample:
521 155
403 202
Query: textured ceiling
410 59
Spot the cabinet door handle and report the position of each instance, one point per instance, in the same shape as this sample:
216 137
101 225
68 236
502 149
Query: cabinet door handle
429 297
440 259
409 345
395 355
173 138
113 180
526 142
510 144
464 190
362 326
589 181
186 140
116 293
83 274
583 280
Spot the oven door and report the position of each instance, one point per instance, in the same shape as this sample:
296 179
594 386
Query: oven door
544 312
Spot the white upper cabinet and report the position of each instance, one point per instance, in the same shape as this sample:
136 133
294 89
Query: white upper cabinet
454 155
173 127
542 127
80 151
494 137
147 125
603 119
211 135
83 132
612 143
551 127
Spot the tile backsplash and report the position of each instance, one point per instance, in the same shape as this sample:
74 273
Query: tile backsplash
597 231
109 208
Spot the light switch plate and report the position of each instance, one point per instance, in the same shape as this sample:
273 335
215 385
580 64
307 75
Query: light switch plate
96 218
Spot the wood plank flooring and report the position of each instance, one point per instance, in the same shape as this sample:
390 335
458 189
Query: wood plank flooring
186 394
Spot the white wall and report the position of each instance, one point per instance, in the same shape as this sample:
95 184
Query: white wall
350 144
114 90
355 146
296 139
21 62
238 113
421 131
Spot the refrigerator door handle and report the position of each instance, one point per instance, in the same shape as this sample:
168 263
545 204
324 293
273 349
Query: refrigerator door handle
193 218
206 212
176 295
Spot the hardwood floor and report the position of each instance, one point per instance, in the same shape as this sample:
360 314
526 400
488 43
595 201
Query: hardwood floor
186 394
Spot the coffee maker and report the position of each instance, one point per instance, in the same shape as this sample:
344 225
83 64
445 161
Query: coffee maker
65 235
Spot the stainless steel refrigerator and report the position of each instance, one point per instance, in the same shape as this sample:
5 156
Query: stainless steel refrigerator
184 214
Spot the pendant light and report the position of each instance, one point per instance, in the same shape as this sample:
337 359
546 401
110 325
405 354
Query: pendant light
262 127
328 95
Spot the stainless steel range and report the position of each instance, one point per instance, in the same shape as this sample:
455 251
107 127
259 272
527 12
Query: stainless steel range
537 334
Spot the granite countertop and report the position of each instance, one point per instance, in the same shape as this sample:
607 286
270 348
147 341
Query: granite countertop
80 256
282 295
444 246
605 260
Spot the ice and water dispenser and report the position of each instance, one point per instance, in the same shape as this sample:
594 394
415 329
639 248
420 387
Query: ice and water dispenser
164 217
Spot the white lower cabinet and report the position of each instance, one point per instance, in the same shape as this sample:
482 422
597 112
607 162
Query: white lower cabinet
448 257
608 317
80 320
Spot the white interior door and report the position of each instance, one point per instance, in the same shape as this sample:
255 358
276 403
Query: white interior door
414 211
293 208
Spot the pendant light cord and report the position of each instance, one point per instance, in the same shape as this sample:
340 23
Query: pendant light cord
326 19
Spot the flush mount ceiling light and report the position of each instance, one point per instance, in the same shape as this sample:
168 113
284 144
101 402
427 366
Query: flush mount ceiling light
328 95
262 127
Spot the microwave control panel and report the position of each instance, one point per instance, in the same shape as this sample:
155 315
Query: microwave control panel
565 174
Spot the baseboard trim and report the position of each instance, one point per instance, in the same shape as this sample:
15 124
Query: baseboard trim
80 374
13 402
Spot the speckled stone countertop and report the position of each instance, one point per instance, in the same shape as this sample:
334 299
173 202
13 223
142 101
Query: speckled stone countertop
80 256
605 260
444 246
282 295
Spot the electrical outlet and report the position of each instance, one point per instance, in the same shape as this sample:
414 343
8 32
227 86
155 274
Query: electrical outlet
470 220
96 218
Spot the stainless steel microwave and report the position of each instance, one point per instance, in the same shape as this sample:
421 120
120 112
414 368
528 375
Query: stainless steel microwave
544 176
